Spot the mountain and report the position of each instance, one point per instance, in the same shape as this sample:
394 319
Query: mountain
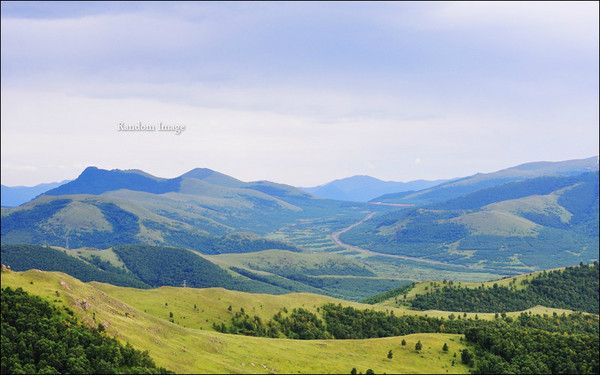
459 187
13 196
97 181
201 209
365 188
526 225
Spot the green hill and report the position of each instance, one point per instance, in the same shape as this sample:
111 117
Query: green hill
574 288
25 257
202 209
174 325
520 226
142 266
189 350
40 338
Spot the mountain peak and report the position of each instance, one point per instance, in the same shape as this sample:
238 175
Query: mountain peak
200 173
212 177
94 180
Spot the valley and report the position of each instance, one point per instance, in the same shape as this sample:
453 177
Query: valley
299 187
212 274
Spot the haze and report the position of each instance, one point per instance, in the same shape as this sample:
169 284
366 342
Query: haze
300 93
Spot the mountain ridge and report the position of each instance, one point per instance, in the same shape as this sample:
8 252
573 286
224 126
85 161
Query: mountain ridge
465 185
362 188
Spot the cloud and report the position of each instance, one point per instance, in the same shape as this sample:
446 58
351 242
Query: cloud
299 92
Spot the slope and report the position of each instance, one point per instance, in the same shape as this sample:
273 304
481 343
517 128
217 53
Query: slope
194 350
520 226
202 209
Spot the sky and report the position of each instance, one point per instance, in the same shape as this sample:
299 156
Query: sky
297 93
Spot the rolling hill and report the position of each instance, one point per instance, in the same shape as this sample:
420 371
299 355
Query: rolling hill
143 266
176 326
573 288
365 188
202 209
191 350
527 225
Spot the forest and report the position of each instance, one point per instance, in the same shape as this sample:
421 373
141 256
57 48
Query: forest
574 288
40 338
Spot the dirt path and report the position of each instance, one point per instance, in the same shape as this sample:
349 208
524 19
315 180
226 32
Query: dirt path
336 238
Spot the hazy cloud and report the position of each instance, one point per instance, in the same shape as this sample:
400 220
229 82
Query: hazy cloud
298 92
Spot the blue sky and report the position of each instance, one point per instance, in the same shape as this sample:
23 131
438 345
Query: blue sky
300 93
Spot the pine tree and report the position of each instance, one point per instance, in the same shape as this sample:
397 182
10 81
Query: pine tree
390 355
466 357
418 346
445 347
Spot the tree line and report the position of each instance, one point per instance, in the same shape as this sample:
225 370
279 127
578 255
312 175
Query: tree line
514 345
574 288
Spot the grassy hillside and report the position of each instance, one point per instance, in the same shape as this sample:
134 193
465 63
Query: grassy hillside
330 273
574 288
273 271
133 265
25 257
184 349
40 338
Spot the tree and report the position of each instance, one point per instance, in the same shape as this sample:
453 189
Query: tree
369 371
418 346
403 342
445 347
353 372
466 357
390 355
41 338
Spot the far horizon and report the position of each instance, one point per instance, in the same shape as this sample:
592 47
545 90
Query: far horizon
300 93
283 182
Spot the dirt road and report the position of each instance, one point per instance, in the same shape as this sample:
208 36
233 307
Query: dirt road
336 238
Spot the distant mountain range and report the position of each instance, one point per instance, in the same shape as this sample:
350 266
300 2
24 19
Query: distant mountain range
365 188
462 186
543 203
15 195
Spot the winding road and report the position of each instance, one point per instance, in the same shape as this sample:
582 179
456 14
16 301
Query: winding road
336 238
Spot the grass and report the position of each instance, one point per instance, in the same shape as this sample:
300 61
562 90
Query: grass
86 254
283 262
183 349
213 304
497 223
